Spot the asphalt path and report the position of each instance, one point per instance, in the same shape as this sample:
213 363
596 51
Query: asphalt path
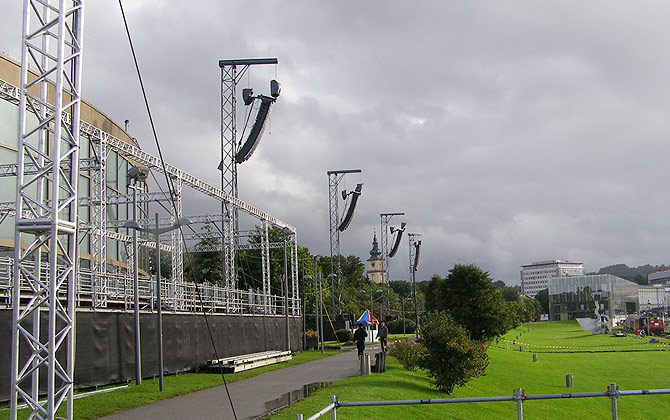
253 397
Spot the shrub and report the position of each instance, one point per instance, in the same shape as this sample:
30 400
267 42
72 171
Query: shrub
408 352
311 334
451 358
395 327
344 335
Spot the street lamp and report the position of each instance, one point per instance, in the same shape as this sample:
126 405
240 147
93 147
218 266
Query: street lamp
402 302
285 232
159 316
319 302
136 174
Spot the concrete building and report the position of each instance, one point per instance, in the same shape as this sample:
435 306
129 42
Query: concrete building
374 267
535 277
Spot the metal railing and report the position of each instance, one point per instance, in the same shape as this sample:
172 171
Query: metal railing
519 397
175 296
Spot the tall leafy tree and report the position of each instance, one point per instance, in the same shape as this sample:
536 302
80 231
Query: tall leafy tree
469 295
543 298
433 291
204 266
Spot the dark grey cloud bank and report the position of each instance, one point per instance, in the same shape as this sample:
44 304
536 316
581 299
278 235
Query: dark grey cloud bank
509 132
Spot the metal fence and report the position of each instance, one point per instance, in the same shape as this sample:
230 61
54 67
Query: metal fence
175 296
518 398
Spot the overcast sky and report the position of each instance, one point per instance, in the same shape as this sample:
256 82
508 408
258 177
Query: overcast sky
507 131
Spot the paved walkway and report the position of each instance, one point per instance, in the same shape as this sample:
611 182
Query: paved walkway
252 397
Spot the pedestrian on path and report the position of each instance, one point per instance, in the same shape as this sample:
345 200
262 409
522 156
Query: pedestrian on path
359 337
383 335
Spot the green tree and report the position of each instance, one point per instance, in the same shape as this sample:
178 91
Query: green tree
510 294
469 295
432 293
202 264
543 298
450 357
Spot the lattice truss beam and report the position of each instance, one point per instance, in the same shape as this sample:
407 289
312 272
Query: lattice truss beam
52 45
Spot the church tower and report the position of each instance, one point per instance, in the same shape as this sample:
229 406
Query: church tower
375 270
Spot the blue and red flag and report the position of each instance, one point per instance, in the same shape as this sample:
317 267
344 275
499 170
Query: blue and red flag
366 319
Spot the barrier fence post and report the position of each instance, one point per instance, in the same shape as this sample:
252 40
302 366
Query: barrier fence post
613 390
518 397
333 412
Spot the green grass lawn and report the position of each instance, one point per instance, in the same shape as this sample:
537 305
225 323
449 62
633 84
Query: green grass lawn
134 396
595 362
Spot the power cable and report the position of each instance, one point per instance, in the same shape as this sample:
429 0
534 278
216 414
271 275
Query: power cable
171 189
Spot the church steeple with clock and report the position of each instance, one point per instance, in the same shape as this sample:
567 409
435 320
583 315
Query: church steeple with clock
375 269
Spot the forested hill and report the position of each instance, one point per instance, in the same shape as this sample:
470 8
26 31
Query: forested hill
635 274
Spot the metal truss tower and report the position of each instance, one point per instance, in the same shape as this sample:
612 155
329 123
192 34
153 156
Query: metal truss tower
334 178
46 208
229 146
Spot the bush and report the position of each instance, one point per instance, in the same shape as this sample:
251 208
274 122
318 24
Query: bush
408 352
451 358
344 335
395 327
311 334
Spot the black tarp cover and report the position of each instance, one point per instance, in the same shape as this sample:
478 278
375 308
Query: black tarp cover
105 343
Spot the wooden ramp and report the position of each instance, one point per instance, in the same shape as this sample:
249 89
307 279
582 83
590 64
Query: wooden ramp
249 361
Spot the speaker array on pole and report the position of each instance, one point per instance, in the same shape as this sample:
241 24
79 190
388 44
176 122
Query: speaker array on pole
398 238
349 214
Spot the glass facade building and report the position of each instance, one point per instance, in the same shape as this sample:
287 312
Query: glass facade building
590 296
116 177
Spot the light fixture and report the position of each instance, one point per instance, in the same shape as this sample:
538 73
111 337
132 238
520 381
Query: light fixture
247 96
349 214
398 238
138 173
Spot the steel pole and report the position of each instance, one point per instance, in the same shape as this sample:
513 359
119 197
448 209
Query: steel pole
403 317
321 311
288 330
136 312
159 315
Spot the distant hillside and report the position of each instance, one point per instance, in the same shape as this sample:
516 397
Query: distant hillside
635 274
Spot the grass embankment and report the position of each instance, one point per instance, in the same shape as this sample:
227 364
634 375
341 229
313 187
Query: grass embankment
595 361
94 406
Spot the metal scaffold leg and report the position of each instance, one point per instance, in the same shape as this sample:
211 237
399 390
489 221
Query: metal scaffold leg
46 209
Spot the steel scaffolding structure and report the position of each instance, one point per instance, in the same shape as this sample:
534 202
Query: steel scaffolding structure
47 229
52 44
334 179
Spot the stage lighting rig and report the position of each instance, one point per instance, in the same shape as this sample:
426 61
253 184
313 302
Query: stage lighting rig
349 214
398 237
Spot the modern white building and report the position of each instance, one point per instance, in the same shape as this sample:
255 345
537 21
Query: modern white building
659 277
535 277
654 298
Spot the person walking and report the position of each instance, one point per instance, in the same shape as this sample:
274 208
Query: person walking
383 335
359 337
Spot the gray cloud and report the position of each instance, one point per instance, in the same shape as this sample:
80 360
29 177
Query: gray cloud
509 132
